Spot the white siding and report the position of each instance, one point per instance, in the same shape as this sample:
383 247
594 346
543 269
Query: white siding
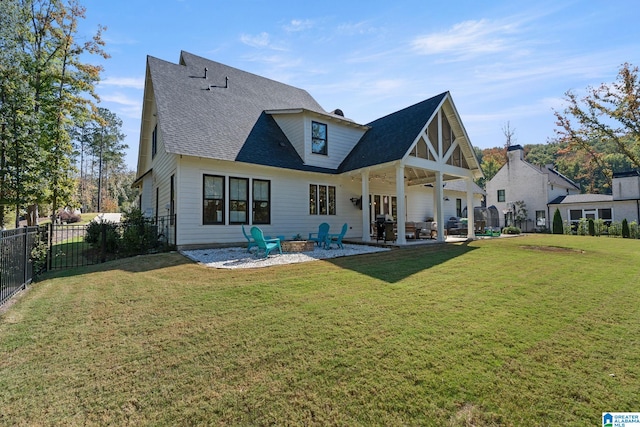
289 202
293 127
626 188
340 141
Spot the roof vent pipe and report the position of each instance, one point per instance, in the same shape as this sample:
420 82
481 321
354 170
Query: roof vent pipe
205 72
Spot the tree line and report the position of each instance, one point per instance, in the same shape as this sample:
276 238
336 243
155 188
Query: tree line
597 135
52 132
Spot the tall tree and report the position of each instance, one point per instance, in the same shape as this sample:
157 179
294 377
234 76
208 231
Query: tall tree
609 113
46 91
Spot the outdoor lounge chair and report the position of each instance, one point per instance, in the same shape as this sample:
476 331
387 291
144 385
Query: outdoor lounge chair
337 238
267 245
250 242
321 236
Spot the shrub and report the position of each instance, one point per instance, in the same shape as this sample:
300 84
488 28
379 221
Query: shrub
592 227
600 227
94 235
511 230
139 234
633 230
615 229
557 223
625 229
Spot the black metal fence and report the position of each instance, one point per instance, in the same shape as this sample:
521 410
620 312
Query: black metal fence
26 252
16 262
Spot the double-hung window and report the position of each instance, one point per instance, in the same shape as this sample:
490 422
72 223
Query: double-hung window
238 201
501 196
261 201
318 138
213 200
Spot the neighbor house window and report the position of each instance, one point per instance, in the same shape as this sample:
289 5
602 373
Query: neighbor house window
238 201
318 138
605 215
575 214
541 219
458 207
261 201
213 200
322 199
501 197
154 142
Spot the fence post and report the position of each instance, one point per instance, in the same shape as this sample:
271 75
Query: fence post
49 245
25 241
103 244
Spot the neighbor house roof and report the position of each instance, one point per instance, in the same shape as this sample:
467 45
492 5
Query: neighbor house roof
582 198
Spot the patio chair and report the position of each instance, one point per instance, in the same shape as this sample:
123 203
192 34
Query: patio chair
321 236
267 245
336 238
250 242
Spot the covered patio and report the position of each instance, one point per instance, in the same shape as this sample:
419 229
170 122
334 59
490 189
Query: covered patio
429 150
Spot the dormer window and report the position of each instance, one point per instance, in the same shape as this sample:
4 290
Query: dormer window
318 138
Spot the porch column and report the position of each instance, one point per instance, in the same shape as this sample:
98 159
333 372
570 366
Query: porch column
438 195
471 229
366 209
401 208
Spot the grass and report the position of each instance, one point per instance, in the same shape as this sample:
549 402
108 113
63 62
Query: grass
536 330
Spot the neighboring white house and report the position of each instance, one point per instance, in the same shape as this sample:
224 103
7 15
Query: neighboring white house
543 189
220 148
536 186
624 203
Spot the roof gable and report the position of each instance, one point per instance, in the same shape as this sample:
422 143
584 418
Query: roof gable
390 137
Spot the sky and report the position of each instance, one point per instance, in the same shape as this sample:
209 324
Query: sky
504 62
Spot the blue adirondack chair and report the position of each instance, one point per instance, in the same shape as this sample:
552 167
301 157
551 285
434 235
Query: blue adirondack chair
321 235
250 242
267 245
336 238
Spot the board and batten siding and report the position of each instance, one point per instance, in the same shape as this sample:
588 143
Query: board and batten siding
289 202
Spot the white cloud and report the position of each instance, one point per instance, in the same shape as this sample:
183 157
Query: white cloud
357 28
126 106
130 82
262 40
468 39
298 25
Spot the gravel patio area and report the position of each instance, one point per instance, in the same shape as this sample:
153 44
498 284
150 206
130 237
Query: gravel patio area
239 258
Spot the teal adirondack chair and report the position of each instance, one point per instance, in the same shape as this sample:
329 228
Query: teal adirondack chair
250 242
321 235
336 238
267 245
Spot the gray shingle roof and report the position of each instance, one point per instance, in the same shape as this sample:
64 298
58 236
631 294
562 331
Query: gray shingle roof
391 136
216 123
582 198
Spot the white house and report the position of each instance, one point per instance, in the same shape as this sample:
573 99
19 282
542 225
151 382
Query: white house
624 203
220 148
536 186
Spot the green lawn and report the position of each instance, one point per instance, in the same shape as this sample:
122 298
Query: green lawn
527 331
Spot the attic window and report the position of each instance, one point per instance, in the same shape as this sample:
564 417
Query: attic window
154 142
318 138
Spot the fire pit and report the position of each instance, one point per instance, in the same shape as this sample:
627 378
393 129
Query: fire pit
297 245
